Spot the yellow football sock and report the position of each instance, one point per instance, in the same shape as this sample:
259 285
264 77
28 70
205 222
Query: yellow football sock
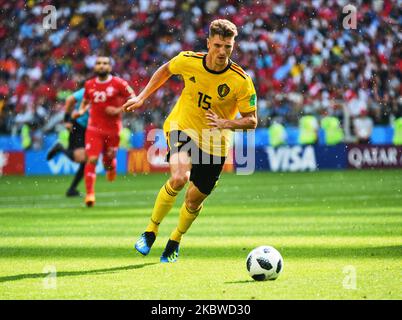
163 203
186 218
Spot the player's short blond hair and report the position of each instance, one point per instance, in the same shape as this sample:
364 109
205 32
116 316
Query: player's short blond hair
222 27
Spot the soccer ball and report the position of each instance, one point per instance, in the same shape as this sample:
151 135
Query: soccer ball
264 263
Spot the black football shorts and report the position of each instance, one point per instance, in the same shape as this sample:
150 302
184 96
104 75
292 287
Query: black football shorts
205 168
76 138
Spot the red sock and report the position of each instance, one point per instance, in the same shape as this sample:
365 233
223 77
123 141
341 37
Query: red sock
109 163
90 177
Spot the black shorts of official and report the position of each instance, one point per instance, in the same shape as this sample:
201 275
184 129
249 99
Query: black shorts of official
205 168
76 138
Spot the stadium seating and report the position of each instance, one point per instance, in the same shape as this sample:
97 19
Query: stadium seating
298 54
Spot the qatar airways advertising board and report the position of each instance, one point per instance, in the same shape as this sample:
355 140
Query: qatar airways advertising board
374 156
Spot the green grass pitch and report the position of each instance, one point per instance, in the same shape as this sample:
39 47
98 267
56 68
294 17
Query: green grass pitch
339 232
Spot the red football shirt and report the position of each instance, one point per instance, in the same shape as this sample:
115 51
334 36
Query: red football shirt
101 94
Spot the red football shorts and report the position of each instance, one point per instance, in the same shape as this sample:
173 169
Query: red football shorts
99 142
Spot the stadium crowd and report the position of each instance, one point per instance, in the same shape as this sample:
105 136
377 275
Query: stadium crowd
300 56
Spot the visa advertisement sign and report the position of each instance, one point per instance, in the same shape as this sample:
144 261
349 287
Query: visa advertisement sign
300 158
294 158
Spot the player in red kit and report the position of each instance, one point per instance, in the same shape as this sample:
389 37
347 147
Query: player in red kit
103 96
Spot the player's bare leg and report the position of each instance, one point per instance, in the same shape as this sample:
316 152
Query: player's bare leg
180 166
79 155
90 178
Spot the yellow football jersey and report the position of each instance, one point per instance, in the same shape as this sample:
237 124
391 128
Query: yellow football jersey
225 92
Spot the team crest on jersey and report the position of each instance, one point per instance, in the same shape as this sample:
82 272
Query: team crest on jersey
223 90
109 91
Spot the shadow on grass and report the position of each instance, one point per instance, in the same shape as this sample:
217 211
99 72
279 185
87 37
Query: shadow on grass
74 273
318 251
240 281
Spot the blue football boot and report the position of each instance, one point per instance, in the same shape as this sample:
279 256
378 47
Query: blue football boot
145 242
171 252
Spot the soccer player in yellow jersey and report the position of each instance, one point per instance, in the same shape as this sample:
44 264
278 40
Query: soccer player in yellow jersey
198 129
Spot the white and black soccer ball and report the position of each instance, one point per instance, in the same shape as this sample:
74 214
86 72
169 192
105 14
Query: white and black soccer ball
264 263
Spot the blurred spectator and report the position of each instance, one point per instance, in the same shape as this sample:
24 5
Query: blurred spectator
26 140
125 138
397 138
308 129
277 133
332 130
363 127
300 57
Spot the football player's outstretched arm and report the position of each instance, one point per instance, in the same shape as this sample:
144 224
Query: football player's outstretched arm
68 108
69 105
157 80
115 111
247 121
